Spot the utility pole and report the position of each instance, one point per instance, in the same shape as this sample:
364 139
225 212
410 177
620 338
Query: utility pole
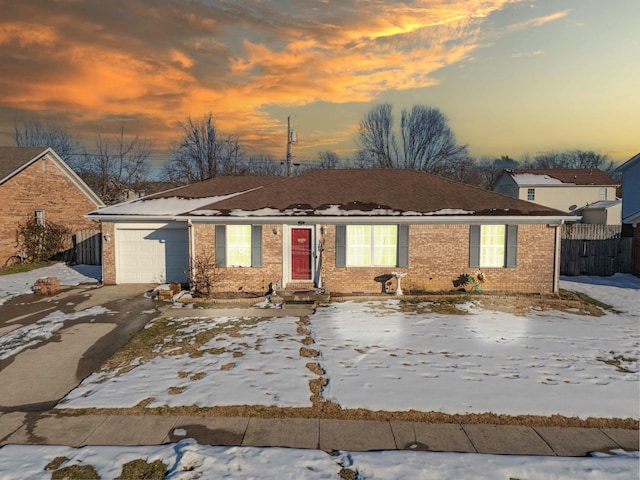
288 146
292 137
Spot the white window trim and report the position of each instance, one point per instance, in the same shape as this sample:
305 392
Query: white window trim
372 247
229 245
39 216
531 194
497 259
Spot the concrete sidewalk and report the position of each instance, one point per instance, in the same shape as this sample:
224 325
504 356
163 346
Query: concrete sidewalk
323 434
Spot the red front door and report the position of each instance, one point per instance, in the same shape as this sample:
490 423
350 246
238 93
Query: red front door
300 254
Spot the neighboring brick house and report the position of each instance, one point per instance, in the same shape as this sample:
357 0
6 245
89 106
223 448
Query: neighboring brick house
587 192
339 229
631 202
36 183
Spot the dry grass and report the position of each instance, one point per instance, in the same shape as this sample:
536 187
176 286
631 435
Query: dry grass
164 337
330 410
144 346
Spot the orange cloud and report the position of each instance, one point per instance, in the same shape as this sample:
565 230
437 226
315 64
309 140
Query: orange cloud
233 60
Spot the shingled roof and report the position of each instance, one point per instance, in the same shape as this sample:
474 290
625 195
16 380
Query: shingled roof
372 191
13 159
330 193
216 187
569 176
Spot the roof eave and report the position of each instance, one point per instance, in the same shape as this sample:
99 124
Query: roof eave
131 218
395 219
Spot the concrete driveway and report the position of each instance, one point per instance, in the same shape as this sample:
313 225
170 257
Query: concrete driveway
37 377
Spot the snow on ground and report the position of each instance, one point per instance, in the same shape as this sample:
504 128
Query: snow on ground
256 363
22 283
622 291
549 355
188 460
29 335
380 355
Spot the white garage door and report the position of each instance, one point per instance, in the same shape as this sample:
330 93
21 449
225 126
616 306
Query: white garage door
152 255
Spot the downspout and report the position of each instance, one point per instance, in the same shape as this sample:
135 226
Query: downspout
191 250
556 258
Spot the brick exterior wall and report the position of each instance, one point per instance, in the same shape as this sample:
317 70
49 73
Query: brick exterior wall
108 253
247 279
41 186
438 254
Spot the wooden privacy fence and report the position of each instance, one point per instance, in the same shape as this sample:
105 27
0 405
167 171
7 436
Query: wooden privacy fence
600 250
87 246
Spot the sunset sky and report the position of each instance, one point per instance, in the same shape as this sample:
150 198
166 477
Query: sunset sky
512 76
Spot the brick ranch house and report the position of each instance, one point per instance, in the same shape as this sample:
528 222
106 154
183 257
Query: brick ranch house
341 229
36 183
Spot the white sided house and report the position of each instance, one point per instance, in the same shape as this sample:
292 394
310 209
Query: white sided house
341 230
588 192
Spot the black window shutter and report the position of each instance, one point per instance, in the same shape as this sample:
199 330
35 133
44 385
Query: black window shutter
341 246
221 246
512 246
256 246
474 246
403 246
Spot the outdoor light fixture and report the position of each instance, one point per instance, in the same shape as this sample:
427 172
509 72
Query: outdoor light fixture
107 237
275 230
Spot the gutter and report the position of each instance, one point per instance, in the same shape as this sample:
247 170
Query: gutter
343 219
383 220
556 259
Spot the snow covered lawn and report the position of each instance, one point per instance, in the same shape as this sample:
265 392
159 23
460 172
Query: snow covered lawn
188 460
384 355
207 362
22 283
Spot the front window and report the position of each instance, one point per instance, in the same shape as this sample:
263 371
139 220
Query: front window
531 194
239 245
492 244
372 245
603 194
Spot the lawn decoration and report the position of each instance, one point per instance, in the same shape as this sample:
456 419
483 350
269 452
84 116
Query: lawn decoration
470 282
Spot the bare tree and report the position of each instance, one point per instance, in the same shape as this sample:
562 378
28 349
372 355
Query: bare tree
461 169
426 141
203 152
117 164
37 134
376 138
264 165
491 168
328 159
571 159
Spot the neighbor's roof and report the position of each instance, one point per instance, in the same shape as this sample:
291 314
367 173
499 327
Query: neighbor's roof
603 204
561 176
330 193
629 163
183 199
13 160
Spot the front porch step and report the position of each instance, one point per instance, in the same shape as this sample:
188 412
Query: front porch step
301 295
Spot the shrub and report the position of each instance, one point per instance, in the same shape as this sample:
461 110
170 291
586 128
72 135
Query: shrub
40 242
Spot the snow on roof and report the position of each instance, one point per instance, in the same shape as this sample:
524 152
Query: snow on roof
535 179
162 206
330 211
602 204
